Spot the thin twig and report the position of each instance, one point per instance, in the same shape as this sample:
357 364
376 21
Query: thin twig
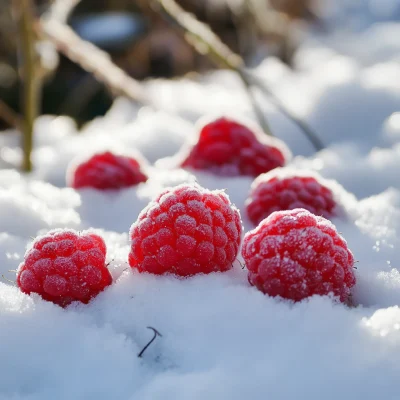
256 108
243 266
8 115
156 333
271 22
311 135
201 35
206 42
93 60
80 95
8 280
25 18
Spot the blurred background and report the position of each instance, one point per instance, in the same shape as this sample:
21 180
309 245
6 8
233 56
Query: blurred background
145 43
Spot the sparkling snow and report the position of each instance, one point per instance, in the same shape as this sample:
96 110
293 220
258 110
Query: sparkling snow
221 338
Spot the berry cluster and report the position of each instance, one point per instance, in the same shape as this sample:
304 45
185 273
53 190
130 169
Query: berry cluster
279 191
106 171
64 266
227 147
294 252
184 231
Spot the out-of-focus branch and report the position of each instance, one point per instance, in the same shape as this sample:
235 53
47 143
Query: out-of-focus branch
270 21
24 14
312 137
206 42
8 115
92 59
256 108
201 36
80 95
61 9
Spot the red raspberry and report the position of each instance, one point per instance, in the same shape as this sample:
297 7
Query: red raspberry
226 147
186 230
295 254
278 191
106 171
64 266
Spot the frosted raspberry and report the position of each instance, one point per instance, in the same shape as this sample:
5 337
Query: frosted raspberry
65 266
295 254
276 191
226 147
186 230
106 171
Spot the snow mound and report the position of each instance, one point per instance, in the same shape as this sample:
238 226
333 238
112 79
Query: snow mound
221 338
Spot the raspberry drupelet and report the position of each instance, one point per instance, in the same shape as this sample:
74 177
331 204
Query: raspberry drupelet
186 230
295 254
105 171
226 147
65 266
280 190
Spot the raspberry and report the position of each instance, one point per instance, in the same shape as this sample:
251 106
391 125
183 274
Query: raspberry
64 266
295 254
186 230
106 171
226 147
278 191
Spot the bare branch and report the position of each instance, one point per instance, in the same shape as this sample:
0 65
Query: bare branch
156 333
262 120
311 135
201 34
24 14
93 60
206 42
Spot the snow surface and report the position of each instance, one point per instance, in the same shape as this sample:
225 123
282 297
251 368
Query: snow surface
221 338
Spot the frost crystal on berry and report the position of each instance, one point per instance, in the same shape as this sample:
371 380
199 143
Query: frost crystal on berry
65 266
284 189
227 147
295 254
106 171
186 230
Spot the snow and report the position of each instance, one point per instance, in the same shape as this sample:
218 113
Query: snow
220 338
